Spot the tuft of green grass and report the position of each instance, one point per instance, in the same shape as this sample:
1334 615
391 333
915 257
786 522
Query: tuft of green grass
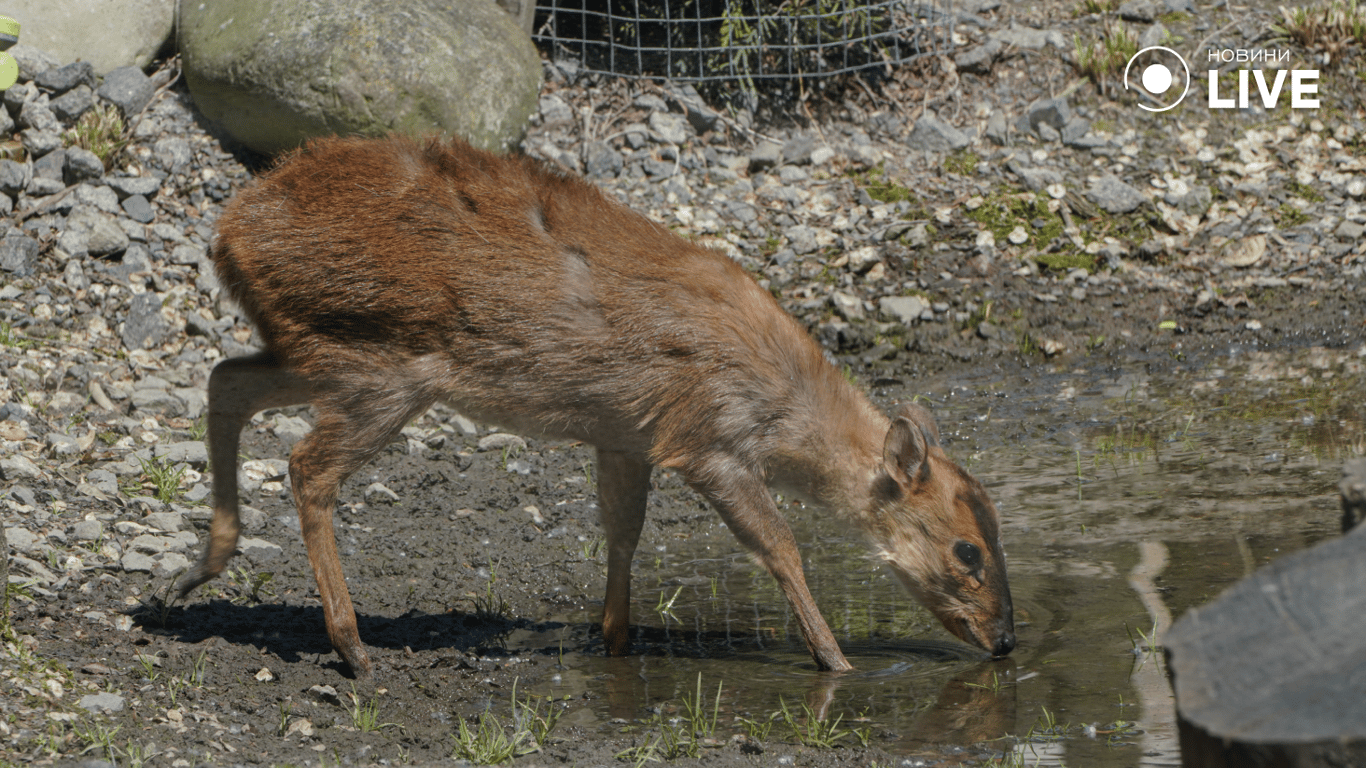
882 188
1304 192
1001 212
963 162
491 742
11 338
818 732
1332 29
1094 7
1288 216
1104 59
365 717
162 478
252 586
101 131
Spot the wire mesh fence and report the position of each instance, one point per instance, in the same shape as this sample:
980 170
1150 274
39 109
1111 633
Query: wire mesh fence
742 40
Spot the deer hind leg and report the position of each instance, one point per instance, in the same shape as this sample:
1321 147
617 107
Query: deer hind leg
351 428
238 389
623 487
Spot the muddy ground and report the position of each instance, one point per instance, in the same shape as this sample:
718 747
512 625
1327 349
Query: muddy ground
444 573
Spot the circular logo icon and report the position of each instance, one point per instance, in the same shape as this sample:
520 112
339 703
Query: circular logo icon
1156 69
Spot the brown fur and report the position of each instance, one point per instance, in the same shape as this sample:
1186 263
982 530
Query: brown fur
385 275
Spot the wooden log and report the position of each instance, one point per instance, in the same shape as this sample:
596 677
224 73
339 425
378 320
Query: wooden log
1272 674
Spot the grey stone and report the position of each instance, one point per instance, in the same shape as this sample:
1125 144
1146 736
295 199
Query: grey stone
62 445
82 165
64 78
290 429
169 522
99 197
798 149
1075 130
71 105
260 551
38 114
130 32
138 209
23 540
1028 37
554 110
13 178
1194 202
51 166
190 452
980 58
902 309
40 141
154 544
765 156
137 562
104 480
89 230
128 89
1142 11
1179 6
74 277
127 186
670 128
103 702
18 255
1113 195
32 59
600 160
701 117
172 153
500 440
997 128
87 530
1350 231
19 467
144 327
1051 112
802 239
188 254
1153 35
169 565
934 135
157 401
274 74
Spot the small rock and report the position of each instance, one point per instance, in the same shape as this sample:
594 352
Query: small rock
500 440
139 209
19 467
260 551
1350 231
169 522
902 309
934 135
600 160
127 186
764 156
128 89
1246 252
87 530
979 59
82 165
847 306
63 79
1113 195
71 105
997 128
170 565
103 702
1053 113
797 151
290 429
145 327
137 562
380 490
1141 11
670 128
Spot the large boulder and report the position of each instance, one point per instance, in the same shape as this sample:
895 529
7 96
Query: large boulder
273 74
107 33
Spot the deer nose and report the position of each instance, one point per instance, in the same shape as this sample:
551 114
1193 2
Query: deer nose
1004 644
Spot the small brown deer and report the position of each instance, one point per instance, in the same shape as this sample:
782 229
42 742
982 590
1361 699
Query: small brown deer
386 275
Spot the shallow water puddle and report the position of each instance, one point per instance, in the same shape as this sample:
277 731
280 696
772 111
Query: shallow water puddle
1127 498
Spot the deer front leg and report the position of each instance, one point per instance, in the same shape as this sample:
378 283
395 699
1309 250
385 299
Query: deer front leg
623 488
744 503
238 389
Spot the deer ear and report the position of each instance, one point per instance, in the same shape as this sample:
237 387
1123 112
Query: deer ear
904 452
920 416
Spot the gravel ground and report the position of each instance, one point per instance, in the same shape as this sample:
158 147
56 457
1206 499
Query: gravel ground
986 209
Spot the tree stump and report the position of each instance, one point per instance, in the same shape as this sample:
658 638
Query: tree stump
1273 672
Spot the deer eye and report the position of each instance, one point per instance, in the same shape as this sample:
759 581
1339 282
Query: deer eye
969 553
